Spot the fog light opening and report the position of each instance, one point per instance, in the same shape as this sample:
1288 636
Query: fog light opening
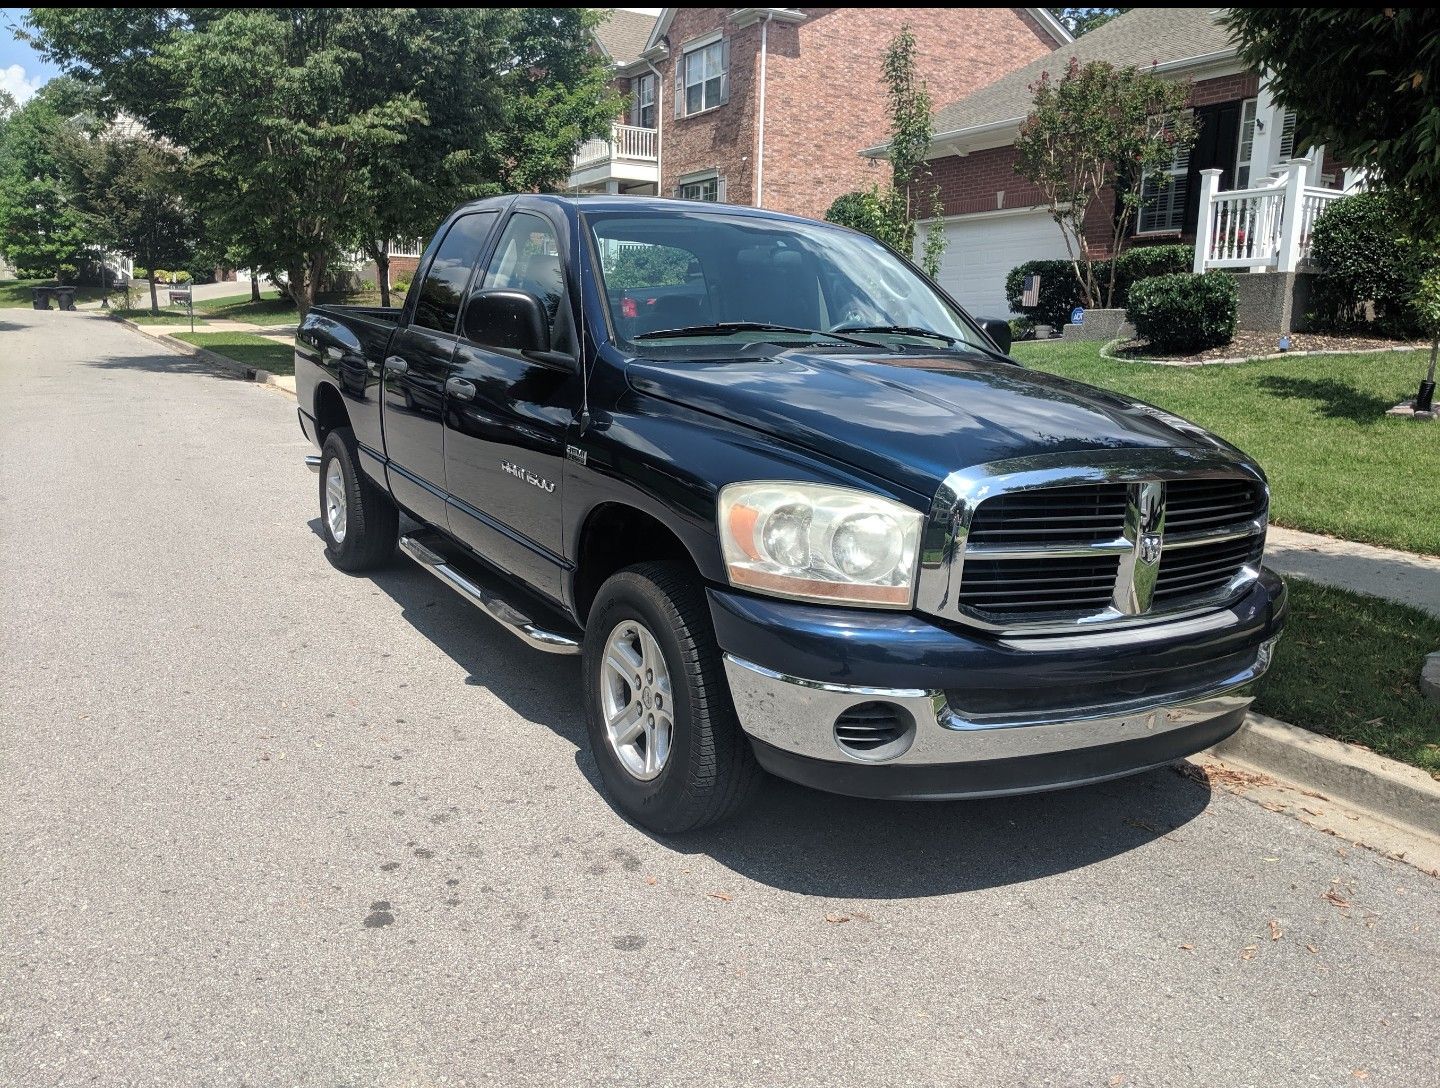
875 731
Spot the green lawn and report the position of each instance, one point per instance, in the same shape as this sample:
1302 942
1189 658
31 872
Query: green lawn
272 309
1317 424
1349 667
275 356
167 316
16 293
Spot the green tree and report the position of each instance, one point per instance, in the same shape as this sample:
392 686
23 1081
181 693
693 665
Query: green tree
1083 20
128 190
1100 129
42 233
1364 82
309 130
889 213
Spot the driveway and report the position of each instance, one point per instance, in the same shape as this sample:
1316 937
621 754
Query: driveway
263 823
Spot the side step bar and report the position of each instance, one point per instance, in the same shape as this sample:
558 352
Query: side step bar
312 462
426 549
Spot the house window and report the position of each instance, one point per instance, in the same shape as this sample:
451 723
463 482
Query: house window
1163 195
642 108
710 187
1246 150
702 78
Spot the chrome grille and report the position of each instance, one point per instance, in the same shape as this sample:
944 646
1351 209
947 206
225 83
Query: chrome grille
1038 544
1203 569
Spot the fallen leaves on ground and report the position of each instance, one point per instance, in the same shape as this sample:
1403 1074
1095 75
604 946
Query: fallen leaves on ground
837 919
1275 931
1335 897
724 897
1248 952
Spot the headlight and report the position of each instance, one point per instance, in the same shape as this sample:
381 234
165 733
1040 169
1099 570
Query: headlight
819 543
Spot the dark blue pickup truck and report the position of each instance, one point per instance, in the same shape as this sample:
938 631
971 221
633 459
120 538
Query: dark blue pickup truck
793 506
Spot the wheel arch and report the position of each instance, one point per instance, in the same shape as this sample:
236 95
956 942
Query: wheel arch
330 411
616 535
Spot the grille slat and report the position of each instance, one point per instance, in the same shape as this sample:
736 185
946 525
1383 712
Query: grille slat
1061 587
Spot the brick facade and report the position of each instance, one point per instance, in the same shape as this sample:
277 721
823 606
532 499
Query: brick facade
825 101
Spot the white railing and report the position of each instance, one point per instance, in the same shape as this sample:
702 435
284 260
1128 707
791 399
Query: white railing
1267 227
629 142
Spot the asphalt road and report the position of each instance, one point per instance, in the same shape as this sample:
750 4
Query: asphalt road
262 823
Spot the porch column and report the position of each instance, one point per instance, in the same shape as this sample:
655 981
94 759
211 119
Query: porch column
1289 256
1205 224
612 186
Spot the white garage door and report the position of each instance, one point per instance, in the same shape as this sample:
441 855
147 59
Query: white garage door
981 250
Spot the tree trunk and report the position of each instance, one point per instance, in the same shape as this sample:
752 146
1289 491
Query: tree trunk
154 299
254 287
382 273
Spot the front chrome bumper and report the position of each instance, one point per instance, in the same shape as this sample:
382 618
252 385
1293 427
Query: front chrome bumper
797 717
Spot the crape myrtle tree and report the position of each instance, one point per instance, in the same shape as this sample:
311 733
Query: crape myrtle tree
42 233
309 130
1099 129
1365 83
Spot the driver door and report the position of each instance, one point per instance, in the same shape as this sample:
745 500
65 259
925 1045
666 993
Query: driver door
507 418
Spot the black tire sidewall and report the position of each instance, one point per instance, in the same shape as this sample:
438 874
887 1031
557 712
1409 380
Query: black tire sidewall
655 801
337 448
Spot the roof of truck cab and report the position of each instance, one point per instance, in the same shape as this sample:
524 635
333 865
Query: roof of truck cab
610 202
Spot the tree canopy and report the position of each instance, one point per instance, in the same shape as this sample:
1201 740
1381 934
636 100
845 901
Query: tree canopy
309 131
1364 82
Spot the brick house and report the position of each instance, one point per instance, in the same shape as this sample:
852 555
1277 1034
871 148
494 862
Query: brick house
771 107
995 219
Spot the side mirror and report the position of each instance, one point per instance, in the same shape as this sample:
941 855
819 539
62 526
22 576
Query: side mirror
998 329
507 319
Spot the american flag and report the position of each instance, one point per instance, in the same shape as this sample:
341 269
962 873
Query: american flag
1031 297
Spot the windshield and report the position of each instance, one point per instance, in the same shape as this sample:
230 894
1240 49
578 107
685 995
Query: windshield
716 277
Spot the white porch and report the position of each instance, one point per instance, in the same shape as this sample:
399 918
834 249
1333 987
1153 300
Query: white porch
628 160
1266 228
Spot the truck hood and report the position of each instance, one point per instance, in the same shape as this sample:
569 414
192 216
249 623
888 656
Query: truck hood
913 419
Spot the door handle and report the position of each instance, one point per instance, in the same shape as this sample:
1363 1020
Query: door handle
396 365
460 389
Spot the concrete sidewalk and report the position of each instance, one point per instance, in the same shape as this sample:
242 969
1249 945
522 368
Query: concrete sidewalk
1397 576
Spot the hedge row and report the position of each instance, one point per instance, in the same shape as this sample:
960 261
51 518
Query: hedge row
1060 292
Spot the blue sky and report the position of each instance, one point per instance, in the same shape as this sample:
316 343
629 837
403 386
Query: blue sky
21 71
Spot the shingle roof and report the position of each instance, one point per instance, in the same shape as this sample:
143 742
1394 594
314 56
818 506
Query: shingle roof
624 33
1142 36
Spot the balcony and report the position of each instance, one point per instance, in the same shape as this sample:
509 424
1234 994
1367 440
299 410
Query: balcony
1262 229
630 156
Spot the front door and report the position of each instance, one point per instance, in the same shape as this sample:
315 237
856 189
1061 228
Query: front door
417 365
507 420
1215 146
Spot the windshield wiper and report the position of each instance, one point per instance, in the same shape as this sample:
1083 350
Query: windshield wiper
901 330
723 327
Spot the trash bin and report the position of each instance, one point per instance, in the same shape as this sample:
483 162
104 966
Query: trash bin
65 296
40 297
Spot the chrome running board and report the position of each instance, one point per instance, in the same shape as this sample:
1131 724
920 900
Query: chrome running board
312 462
422 547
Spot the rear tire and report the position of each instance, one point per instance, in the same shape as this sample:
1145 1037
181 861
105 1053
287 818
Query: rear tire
359 521
692 766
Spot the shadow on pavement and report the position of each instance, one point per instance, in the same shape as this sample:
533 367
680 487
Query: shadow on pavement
815 843
166 363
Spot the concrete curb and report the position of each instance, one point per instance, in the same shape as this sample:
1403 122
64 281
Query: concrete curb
240 370
1105 354
1394 792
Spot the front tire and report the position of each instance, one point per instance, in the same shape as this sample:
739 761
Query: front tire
359 521
662 729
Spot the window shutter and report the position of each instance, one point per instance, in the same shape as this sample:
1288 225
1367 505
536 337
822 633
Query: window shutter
720 189
1287 138
679 84
634 113
724 74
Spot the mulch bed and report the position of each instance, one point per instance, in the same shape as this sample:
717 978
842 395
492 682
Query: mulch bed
1249 344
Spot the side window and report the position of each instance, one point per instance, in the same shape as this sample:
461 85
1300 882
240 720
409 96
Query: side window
443 288
528 259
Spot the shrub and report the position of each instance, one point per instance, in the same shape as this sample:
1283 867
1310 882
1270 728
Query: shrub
367 285
1359 248
180 277
1142 262
1184 311
1021 328
140 273
872 211
162 276
1059 291
401 285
